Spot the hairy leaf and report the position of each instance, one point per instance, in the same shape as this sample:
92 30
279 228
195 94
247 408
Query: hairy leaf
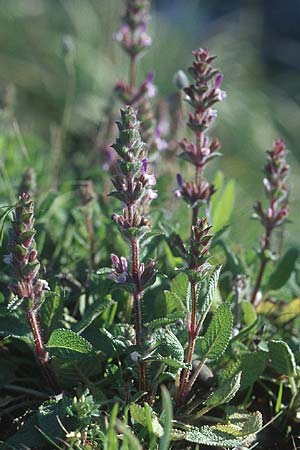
253 365
67 344
239 430
51 309
211 290
163 321
168 345
92 313
225 391
282 358
217 336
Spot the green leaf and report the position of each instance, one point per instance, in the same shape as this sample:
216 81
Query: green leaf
171 362
288 312
168 345
283 270
253 365
67 344
51 309
14 326
138 414
239 430
204 306
104 270
92 313
282 358
166 418
163 321
3 218
217 336
222 211
249 313
179 285
225 392
174 303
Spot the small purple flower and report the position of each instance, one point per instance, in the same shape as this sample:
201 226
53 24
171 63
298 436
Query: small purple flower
115 260
149 85
218 81
8 259
145 40
153 194
159 143
121 278
144 166
151 179
221 95
124 264
179 180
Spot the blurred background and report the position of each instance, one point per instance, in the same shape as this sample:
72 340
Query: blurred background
258 47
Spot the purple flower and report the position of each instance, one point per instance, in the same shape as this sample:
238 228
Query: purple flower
221 95
149 87
179 180
153 194
115 260
159 143
218 81
144 166
124 264
8 259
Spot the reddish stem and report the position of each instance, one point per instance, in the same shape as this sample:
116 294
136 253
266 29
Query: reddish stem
138 316
41 353
263 263
132 73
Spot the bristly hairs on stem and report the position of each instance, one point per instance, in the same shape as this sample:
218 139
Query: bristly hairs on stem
202 95
276 213
133 187
26 286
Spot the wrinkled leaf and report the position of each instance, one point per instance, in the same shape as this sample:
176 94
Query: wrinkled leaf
282 358
217 336
67 344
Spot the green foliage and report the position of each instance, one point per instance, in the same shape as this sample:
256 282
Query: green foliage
67 344
215 341
253 365
223 202
239 429
63 120
283 270
225 391
282 358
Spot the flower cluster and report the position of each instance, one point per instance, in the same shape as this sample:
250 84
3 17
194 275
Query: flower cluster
200 245
194 193
23 258
121 273
134 40
133 35
276 173
276 212
202 94
134 188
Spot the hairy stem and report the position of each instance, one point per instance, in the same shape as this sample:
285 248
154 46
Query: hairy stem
263 263
132 72
138 316
41 352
